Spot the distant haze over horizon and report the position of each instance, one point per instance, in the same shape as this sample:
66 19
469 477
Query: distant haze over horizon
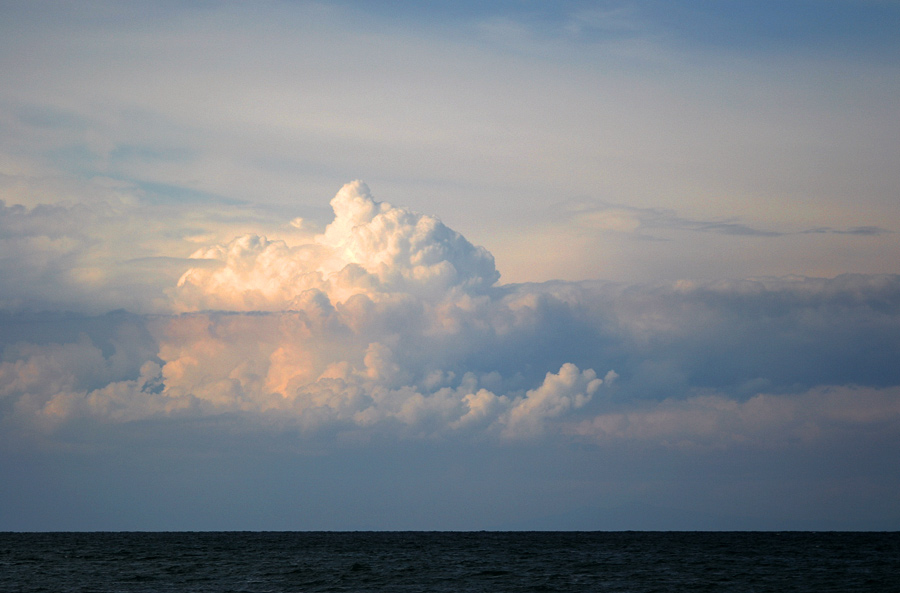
594 265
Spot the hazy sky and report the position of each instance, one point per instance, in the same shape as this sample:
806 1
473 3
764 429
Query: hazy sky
469 265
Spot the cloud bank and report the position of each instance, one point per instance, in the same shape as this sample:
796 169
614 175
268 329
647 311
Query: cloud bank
373 323
390 322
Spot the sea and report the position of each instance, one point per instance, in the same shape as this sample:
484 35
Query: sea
258 562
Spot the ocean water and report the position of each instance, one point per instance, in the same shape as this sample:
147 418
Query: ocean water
450 561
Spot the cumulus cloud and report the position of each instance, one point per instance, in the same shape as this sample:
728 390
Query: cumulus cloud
390 321
57 367
375 322
275 368
371 248
569 389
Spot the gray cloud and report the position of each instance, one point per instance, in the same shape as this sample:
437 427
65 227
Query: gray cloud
693 363
859 230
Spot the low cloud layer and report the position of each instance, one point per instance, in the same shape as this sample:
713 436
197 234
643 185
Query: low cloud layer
764 421
390 322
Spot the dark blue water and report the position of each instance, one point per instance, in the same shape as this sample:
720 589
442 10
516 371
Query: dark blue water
483 561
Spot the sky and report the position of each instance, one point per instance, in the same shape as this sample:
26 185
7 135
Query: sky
579 265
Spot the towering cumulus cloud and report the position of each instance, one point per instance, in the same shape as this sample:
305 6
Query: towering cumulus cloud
388 319
390 322
371 249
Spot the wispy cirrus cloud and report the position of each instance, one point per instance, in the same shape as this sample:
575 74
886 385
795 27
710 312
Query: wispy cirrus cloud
646 120
643 222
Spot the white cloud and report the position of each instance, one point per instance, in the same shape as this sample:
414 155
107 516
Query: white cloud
568 390
371 248
372 323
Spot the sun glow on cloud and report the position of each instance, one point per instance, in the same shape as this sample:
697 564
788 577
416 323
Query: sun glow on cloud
371 249
375 322
389 321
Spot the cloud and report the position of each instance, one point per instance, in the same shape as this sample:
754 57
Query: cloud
103 244
569 389
227 104
132 139
374 323
84 256
858 230
390 322
370 248
644 222
58 367
765 421
279 371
